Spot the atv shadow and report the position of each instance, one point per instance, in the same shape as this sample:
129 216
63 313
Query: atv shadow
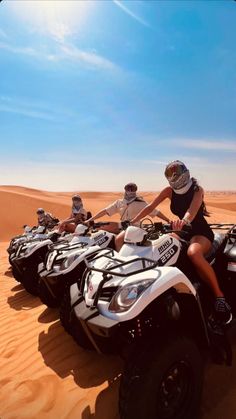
17 287
65 357
219 388
107 401
22 300
9 273
49 315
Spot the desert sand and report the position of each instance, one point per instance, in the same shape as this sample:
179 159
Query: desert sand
43 373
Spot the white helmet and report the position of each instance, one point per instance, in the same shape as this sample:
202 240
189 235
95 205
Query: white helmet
40 211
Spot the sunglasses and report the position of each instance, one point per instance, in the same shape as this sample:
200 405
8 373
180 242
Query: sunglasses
174 170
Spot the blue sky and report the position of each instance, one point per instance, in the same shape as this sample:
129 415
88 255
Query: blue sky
94 94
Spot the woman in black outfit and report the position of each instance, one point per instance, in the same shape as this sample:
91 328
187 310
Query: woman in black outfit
187 203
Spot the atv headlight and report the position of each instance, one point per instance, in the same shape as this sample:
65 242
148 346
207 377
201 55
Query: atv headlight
127 295
28 250
68 261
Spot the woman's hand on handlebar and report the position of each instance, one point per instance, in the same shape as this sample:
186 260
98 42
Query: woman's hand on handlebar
177 225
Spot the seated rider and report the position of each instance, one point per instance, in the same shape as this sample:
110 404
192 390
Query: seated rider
46 219
78 215
186 201
127 207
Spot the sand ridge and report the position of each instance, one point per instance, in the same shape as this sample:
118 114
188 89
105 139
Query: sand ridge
43 373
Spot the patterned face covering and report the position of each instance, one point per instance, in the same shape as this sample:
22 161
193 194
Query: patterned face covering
77 205
130 191
129 195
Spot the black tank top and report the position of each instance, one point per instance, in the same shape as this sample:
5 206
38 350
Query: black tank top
180 203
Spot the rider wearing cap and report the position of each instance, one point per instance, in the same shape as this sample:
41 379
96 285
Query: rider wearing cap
46 219
127 207
78 215
186 202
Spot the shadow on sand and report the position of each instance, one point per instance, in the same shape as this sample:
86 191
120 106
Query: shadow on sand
49 315
88 368
9 273
17 287
22 300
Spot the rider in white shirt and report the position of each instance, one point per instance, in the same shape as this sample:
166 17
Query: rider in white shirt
127 207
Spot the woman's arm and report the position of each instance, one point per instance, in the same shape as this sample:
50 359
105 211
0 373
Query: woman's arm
162 216
165 193
194 206
191 211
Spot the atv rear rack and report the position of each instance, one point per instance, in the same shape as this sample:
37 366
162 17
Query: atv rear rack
230 227
223 226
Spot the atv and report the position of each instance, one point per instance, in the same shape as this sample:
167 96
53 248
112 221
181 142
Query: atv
31 235
148 304
65 264
29 254
29 232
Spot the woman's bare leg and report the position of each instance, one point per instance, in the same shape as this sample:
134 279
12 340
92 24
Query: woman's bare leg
199 246
119 240
70 228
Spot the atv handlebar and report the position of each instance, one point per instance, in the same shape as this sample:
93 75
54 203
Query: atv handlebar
155 230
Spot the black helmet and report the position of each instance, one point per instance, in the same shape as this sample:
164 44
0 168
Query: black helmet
132 187
76 198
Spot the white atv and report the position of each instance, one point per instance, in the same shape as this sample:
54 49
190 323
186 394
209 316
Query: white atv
29 232
65 264
28 254
147 303
30 235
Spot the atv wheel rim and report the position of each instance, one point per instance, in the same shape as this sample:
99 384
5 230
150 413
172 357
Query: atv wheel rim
175 391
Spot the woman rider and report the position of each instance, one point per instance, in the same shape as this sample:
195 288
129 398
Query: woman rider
186 198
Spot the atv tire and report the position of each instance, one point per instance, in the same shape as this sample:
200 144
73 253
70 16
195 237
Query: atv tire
71 324
162 381
45 295
30 279
65 310
18 277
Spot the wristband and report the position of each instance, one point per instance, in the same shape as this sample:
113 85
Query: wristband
187 222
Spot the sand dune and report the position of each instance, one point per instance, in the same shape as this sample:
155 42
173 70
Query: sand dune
43 373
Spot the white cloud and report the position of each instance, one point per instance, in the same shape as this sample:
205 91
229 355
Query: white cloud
59 176
58 21
130 13
32 109
19 50
65 52
89 58
223 145
26 112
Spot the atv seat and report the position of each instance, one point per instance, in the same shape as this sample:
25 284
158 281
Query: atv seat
216 244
